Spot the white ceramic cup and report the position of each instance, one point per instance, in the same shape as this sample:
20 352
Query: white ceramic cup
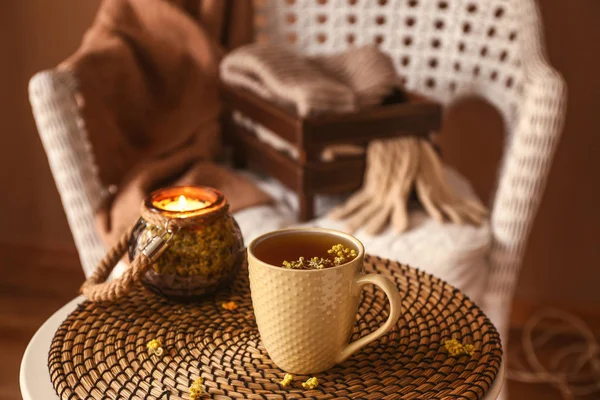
305 317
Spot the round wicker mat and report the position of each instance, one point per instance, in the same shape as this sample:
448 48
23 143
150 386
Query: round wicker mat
99 352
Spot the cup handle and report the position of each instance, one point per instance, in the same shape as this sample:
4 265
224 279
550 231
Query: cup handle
393 296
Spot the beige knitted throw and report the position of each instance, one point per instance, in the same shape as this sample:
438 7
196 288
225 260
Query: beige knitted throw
360 77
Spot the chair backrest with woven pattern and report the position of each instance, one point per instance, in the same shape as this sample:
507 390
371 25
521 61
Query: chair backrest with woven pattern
442 48
62 130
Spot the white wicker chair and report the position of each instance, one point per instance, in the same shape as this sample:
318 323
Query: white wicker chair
445 49
449 49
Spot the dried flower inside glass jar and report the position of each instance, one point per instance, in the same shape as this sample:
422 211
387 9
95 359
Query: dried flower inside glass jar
184 246
206 251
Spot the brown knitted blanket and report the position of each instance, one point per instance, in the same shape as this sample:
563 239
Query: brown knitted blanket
147 75
343 82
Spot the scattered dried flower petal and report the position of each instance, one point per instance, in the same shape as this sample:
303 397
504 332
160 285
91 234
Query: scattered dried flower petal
311 383
318 263
455 348
197 389
154 347
469 349
232 305
338 255
287 380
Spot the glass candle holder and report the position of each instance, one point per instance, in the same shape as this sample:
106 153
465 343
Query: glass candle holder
205 249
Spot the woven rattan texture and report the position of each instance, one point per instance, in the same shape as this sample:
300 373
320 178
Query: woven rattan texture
99 352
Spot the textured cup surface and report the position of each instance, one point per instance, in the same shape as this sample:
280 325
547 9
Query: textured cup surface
305 317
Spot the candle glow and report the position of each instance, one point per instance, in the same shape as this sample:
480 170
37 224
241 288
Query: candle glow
183 204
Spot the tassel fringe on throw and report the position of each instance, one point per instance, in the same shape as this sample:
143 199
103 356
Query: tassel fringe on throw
394 167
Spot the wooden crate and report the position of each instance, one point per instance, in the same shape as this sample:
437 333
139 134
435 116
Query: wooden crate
308 175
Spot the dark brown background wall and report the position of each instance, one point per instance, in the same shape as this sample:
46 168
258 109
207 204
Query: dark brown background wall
34 35
561 262
565 248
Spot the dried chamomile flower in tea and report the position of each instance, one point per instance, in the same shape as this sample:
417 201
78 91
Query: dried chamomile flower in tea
342 255
338 254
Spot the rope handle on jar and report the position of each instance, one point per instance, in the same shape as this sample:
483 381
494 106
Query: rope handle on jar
96 288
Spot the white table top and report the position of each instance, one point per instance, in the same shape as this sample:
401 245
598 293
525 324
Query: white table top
35 378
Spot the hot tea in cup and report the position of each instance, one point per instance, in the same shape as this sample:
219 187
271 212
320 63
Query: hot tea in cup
305 299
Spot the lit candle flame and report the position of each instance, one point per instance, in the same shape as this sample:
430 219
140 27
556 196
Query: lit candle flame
182 203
